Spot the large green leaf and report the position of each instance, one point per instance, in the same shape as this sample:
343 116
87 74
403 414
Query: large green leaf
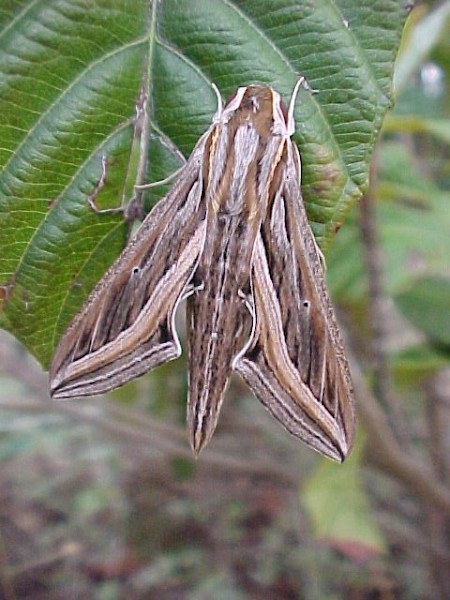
70 79
426 305
338 506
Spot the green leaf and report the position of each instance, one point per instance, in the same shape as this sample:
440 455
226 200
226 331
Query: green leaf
415 363
337 504
398 175
70 79
439 128
426 305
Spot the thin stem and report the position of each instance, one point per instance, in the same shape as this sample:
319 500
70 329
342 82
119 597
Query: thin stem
379 310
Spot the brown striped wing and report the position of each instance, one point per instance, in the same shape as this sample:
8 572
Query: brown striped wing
294 362
126 327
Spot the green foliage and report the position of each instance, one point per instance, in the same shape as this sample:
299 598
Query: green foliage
339 508
411 188
414 363
426 305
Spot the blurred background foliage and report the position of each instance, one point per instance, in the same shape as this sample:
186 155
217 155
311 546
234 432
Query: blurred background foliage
103 500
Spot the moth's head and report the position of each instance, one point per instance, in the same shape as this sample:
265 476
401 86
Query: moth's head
262 106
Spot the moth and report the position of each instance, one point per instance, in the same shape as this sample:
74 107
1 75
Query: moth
232 238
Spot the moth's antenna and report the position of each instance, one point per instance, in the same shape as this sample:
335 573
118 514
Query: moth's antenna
219 99
291 120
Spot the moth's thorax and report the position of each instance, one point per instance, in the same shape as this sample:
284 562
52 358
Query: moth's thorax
256 109
260 106
245 148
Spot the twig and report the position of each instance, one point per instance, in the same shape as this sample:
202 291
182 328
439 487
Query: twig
6 584
379 314
438 413
384 451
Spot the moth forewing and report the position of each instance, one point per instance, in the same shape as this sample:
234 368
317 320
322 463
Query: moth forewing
337 396
267 368
126 326
295 362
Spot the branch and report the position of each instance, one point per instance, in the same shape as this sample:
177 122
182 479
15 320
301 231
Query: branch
379 309
385 452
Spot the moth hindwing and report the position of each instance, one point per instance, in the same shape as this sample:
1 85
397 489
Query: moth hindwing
233 238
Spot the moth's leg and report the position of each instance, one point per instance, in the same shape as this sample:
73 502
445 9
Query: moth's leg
191 288
168 179
248 301
120 209
131 210
97 189
320 254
